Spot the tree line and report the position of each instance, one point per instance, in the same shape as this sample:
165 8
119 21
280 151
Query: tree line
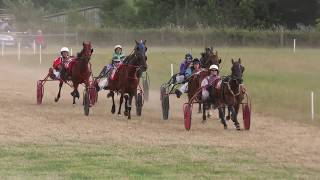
246 14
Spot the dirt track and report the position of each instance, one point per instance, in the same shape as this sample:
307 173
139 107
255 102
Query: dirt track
23 121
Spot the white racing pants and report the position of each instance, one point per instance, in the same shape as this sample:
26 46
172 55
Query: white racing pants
204 92
56 73
184 88
179 78
103 83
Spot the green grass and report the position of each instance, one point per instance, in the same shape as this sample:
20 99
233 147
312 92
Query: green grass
78 161
278 81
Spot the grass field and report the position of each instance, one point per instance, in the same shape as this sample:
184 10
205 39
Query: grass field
278 80
91 161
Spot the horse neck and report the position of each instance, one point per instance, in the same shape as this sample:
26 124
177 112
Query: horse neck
232 83
83 64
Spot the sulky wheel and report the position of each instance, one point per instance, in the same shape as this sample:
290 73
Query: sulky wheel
165 106
146 89
93 95
187 112
162 92
246 114
40 91
139 104
86 102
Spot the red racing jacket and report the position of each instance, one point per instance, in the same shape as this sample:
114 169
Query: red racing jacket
57 63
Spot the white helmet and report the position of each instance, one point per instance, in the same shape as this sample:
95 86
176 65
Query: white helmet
118 46
64 49
214 67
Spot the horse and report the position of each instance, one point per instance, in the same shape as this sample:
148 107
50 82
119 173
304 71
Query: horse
208 58
126 77
78 71
230 93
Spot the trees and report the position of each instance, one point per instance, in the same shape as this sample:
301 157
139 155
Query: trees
25 12
183 13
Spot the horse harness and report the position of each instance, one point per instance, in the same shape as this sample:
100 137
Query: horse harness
226 84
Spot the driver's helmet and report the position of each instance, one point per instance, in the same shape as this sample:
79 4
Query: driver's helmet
196 61
64 49
214 67
117 46
188 57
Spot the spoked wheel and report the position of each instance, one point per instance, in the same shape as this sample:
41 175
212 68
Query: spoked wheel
139 104
93 95
187 112
164 97
146 89
86 102
246 113
40 91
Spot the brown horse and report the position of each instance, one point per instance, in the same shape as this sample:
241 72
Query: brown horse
79 71
230 94
126 78
208 58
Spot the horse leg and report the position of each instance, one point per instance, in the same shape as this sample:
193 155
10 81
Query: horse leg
228 116
234 117
120 105
208 112
126 105
58 96
199 109
204 117
129 105
113 109
75 93
222 117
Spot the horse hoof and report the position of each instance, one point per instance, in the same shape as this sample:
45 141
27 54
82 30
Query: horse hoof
113 109
228 118
225 127
126 113
110 94
56 99
119 115
204 121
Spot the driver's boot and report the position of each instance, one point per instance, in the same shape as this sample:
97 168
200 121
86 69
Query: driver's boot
178 93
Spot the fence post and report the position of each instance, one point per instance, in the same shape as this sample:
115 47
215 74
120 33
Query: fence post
34 47
40 53
312 106
19 51
171 70
2 48
294 45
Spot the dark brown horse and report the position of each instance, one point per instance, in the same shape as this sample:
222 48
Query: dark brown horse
208 58
126 78
79 71
230 94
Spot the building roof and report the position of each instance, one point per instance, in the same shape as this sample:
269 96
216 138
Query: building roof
66 12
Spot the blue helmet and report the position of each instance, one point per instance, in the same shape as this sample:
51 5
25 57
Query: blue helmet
188 57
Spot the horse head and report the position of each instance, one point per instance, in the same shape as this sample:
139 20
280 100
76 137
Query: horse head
237 70
140 52
86 52
210 57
